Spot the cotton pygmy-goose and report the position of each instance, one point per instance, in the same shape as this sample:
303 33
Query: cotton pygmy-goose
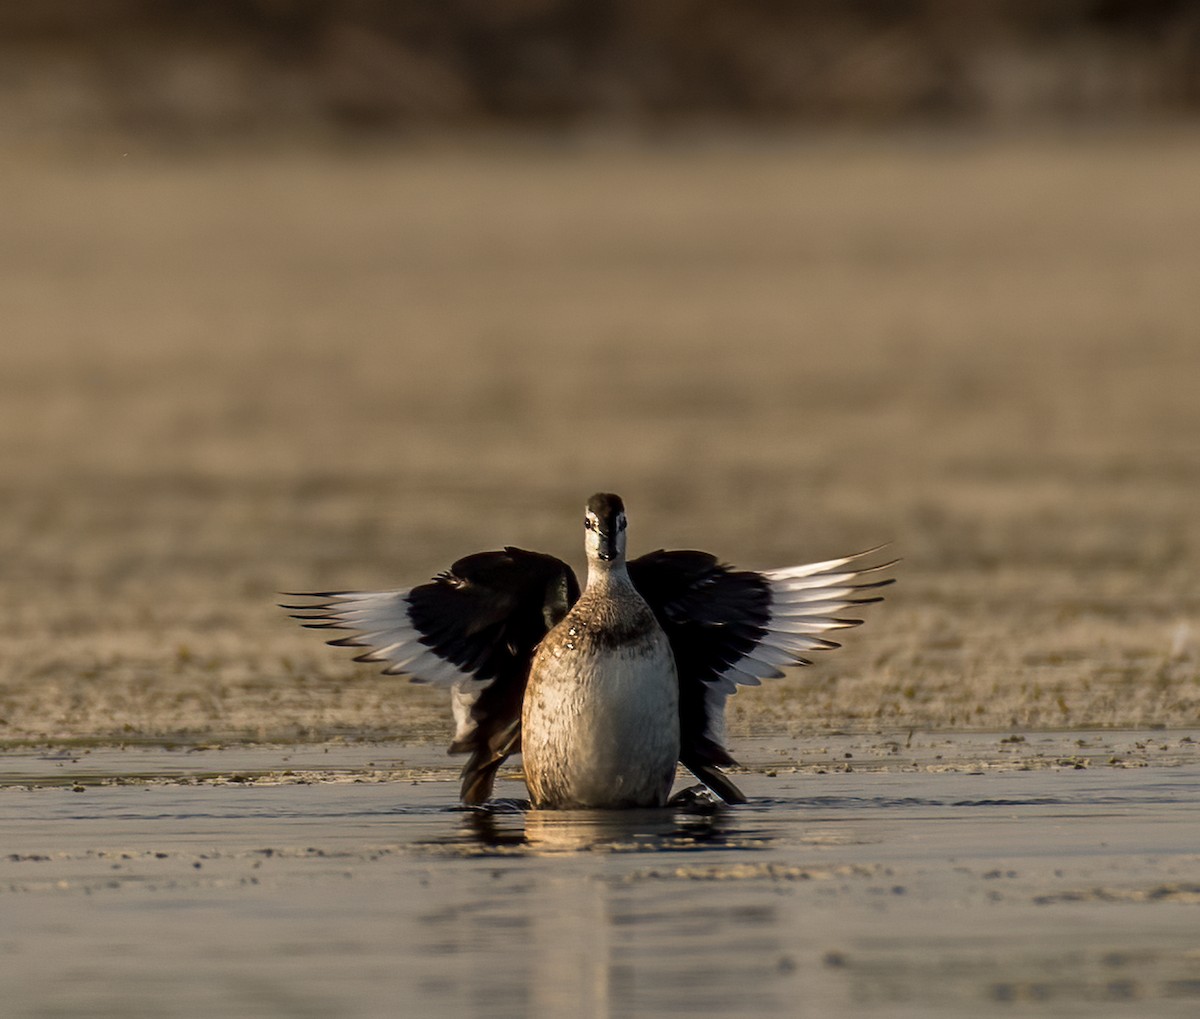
604 692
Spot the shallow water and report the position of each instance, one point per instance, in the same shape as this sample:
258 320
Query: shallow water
341 881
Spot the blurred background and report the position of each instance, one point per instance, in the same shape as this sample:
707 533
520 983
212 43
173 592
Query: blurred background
307 294
179 70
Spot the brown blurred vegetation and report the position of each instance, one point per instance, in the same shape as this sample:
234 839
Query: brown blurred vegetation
288 367
228 68
254 371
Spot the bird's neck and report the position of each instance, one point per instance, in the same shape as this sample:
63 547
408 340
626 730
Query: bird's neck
607 575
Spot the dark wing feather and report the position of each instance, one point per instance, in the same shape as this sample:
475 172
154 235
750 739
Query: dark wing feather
729 627
712 616
474 627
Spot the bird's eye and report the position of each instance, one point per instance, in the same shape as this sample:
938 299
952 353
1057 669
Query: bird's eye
587 523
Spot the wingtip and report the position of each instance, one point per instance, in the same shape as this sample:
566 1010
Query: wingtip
314 615
846 564
874 567
873 584
871 551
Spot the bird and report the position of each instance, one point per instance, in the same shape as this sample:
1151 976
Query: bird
605 690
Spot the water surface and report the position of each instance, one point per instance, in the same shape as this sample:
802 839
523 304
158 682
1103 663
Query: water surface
158 883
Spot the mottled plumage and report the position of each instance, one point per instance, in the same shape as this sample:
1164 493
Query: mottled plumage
602 692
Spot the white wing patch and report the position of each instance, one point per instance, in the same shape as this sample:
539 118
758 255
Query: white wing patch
462 699
805 603
381 623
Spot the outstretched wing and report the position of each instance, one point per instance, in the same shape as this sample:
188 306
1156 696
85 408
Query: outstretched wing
474 628
738 627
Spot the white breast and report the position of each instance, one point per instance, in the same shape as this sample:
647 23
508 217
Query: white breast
600 725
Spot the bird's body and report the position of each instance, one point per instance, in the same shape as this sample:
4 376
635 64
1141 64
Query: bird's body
600 724
603 692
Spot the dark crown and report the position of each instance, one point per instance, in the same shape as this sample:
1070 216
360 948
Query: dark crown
606 506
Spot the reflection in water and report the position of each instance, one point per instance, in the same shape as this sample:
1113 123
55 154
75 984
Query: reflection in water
581 934
505 828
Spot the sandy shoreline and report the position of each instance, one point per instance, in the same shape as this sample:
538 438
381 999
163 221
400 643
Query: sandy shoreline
228 375
245 373
361 760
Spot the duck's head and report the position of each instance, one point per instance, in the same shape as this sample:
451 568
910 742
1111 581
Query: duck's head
604 529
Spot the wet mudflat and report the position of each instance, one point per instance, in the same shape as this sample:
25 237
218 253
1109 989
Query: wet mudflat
256 372
1055 875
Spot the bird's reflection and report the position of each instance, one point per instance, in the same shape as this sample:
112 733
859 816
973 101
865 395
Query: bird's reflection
513 826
